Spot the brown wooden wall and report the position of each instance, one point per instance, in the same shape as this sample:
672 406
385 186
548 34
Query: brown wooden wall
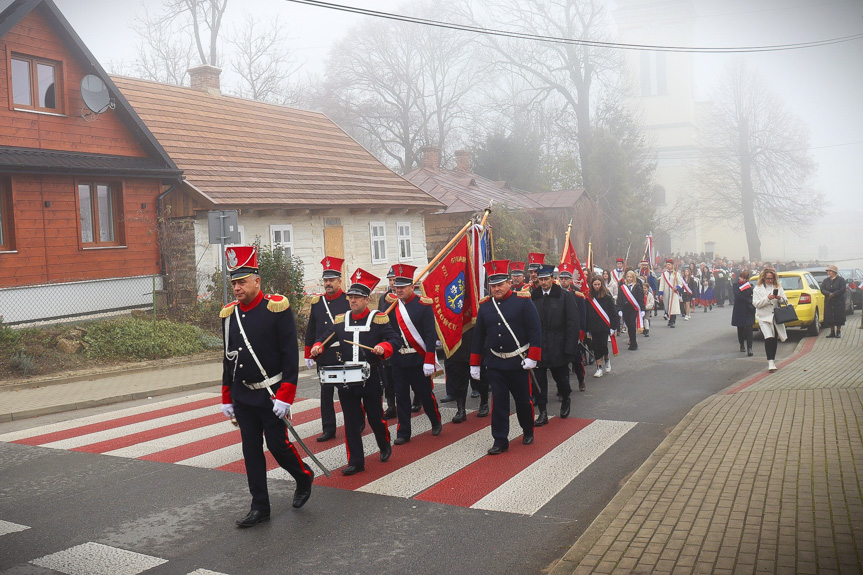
105 134
48 243
440 229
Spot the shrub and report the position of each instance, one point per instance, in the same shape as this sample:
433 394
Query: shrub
137 339
22 363
8 337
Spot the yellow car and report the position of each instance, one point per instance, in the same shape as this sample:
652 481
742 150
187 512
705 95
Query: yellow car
804 293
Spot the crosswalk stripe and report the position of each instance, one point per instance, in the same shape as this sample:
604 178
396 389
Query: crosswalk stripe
204 572
533 487
98 422
98 559
7 527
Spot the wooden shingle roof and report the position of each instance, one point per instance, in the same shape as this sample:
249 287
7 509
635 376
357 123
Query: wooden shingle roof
240 152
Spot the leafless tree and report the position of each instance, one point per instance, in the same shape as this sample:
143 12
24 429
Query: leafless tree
264 63
162 54
204 18
756 169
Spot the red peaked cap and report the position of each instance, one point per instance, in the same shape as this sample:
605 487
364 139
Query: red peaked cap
669 261
620 260
565 269
516 267
363 283
332 267
497 271
404 274
242 261
535 260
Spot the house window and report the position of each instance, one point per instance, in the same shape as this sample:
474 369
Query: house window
35 84
653 74
379 242
100 209
7 242
282 238
405 252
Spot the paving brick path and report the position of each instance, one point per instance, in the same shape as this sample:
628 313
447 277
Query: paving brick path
766 477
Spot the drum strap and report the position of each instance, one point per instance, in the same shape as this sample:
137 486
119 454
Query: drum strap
356 329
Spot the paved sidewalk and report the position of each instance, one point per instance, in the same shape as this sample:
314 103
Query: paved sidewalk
766 477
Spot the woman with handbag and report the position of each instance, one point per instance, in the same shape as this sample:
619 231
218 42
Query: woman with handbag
743 314
766 297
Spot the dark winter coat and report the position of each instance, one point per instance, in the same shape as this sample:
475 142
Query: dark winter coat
834 307
558 315
595 324
624 305
743 313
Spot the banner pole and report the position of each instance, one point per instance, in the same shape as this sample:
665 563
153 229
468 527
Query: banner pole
566 242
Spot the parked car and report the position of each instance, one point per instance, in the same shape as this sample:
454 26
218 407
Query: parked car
820 274
854 277
804 293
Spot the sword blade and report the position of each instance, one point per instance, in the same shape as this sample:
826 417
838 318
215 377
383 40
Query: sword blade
305 448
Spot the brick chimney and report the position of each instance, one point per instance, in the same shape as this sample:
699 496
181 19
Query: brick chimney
462 160
206 79
431 157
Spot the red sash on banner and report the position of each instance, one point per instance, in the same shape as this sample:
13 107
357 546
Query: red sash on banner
634 303
598 309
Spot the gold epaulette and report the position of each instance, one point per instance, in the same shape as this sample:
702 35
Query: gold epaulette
523 294
485 299
579 294
391 297
381 318
227 310
426 300
316 299
339 318
277 303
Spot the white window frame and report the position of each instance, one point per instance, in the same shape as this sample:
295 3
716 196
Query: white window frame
289 245
381 239
406 238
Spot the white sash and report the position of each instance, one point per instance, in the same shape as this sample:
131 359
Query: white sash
686 287
600 311
634 303
409 331
615 274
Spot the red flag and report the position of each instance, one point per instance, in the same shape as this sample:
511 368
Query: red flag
570 256
451 287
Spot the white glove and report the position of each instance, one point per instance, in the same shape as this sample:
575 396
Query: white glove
474 371
620 313
280 408
528 363
310 363
428 369
228 410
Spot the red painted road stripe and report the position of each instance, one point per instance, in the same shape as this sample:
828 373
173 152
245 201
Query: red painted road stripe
150 434
120 422
419 446
807 347
202 446
480 478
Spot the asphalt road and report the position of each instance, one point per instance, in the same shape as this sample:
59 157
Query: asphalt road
60 508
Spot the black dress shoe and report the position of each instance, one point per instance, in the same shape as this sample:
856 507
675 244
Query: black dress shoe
326 436
353 469
838 335
633 348
497 449
565 406
386 452
527 439
447 398
581 386
254 517
483 410
303 492
647 333
474 394
749 352
390 413
742 349
436 429
415 408
401 440
542 419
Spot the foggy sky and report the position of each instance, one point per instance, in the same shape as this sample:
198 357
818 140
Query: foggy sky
822 86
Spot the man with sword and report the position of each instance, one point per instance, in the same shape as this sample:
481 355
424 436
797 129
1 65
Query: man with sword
507 339
259 380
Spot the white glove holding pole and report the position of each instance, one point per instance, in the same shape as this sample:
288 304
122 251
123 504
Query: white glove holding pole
528 363
474 372
310 363
280 408
428 369
620 313
228 410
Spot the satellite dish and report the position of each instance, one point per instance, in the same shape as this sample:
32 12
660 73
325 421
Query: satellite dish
95 94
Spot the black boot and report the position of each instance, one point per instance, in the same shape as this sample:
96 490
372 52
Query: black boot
542 419
460 414
483 404
742 349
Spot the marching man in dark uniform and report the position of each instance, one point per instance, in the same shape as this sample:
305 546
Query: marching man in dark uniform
322 314
565 277
259 380
558 316
516 272
414 359
508 329
371 330
534 262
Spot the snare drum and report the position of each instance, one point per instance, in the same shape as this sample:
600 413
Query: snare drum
345 374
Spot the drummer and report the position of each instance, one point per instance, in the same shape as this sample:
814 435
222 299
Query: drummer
371 329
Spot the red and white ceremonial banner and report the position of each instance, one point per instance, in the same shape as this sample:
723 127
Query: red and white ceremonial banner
452 288
598 309
634 303
570 256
